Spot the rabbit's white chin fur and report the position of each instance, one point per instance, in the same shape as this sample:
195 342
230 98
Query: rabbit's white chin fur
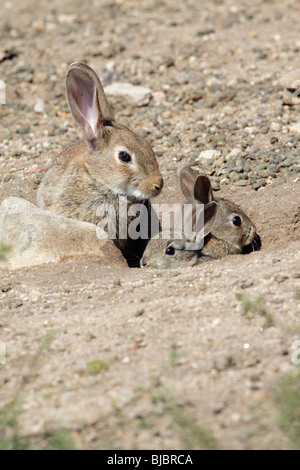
139 194
134 193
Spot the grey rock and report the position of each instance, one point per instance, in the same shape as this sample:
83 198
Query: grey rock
39 106
291 86
38 237
290 80
134 94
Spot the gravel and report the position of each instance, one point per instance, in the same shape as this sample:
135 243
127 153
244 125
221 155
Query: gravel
217 72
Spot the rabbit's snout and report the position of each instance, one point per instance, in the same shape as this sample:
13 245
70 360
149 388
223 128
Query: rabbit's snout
144 262
153 187
158 186
147 262
250 235
254 245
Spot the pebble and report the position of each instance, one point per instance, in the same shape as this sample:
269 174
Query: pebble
291 80
139 312
39 106
23 130
276 126
242 183
280 278
5 288
159 97
264 129
15 303
236 152
295 128
209 154
136 95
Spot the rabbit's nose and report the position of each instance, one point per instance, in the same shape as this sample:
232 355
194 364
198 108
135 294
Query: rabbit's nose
158 185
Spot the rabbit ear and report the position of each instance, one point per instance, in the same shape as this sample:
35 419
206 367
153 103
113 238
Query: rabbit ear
210 212
202 190
205 221
187 178
87 101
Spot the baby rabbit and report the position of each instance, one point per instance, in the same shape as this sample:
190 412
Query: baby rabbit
109 161
232 231
180 250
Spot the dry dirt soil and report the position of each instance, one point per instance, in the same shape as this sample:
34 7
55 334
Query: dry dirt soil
112 357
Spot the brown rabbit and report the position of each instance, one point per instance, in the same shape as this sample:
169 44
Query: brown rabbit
109 162
233 232
179 250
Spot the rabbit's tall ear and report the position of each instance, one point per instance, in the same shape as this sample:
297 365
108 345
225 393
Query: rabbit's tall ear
202 190
187 178
210 212
205 221
87 101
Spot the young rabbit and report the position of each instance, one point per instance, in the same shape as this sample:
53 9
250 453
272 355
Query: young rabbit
180 250
232 232
109 161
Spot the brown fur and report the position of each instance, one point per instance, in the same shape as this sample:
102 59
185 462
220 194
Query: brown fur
223 238
89 172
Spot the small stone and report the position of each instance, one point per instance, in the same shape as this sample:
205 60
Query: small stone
291 80
236 152
8 178
247 284
39 26
263 173
5 288
287 97
273 140
139 312
242 183
159 96
39 106
276 126
34 296
219 407
257 185
295 128
15 303
23 130
117 282
136 95
280 278
209 154
108 50
264 130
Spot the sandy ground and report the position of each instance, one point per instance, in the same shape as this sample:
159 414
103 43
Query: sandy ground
140 358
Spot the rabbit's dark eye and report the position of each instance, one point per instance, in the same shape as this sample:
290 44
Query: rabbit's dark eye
170 251
236 221
124 157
